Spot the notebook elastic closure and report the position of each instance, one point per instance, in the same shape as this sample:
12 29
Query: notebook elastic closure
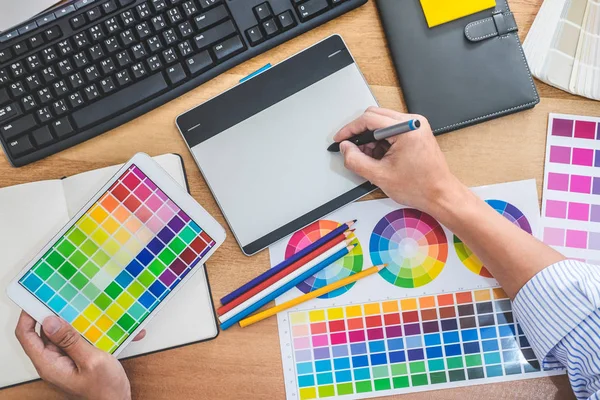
499 24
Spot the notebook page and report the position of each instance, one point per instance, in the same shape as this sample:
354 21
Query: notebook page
189 315
30 215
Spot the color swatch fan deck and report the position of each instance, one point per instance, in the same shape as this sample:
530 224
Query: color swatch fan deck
571 202
125 254
432 319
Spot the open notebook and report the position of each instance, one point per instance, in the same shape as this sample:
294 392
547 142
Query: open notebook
30 214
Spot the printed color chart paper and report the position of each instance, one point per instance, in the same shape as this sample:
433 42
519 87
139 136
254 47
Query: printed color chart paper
119 260
433 319
571 201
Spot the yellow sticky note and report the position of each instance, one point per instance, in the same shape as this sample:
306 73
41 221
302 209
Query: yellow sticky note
439 12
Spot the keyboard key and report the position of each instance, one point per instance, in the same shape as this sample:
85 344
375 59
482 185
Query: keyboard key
42 136
189 8
169 36
123 78
81 40
127 37
214 35
75 100
154 63
107 85
64 47
312 8
127 18
91 92
28 103
60 88
123 59
76 80
17 127
5 55
208 3
139 51
83 3
62 128
52 33
139 71
115 103
286 20
93 14
254 35
49 55
17 89
228 47
176 73
199 62
17 69
59 107
46 19
169 56
9 111
64 11
33 82
3 76
270 27
77 21
109 7
124 3
35 41
143 10
112 25
81 59
143 30
96 52
27 28
263 11
43 115
33 62
158 23
91 73
20 146
20 48
185 48
44 95
49 74
185 29
8 36
65 67
158 5
211 17
96 32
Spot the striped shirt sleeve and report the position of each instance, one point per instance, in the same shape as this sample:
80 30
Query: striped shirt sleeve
559 311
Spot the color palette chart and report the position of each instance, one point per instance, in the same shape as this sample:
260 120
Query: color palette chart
348 265
433 318
398 346
508 211
571 203
118 261
414 246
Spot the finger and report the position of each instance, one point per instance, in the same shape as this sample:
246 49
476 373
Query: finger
140 336
49 345
360 163
31 342
367 122
66 338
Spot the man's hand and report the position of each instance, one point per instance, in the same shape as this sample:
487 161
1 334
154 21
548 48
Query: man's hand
64 358
409 168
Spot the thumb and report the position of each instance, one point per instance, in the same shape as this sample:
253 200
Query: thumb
360 163
65 337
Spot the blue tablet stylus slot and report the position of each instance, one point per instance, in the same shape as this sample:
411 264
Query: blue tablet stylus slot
255 73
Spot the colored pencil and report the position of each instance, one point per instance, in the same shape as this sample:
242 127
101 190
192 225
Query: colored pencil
283 273
256 306
270 289
309 296
269 273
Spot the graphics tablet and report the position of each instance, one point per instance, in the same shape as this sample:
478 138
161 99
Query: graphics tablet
121 258
262 145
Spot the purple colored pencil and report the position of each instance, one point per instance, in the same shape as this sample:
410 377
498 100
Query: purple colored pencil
285 263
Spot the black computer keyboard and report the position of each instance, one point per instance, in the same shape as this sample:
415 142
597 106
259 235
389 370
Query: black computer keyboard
91 65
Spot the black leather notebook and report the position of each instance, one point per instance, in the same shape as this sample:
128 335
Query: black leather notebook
460 73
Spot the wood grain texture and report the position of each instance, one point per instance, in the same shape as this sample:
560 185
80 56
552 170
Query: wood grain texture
246 363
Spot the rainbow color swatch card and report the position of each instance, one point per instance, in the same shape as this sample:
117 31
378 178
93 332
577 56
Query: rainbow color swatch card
571 201
433 319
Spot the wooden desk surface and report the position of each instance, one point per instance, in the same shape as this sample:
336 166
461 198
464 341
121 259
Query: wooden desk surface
246 363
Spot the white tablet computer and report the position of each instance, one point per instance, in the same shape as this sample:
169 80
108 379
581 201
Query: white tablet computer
121 258
262 145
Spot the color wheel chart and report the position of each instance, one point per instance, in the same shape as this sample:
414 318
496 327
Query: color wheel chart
571 201
425 322
349 265
414 246
127 252
508 211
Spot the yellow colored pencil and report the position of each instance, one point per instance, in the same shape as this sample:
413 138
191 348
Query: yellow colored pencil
309 296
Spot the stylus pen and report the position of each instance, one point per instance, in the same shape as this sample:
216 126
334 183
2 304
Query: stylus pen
265 300
379 134
285 263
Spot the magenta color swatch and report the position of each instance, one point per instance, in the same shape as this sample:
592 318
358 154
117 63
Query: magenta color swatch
558 181
579 211
562 127
356 336
338 338
583 157
556 209
554 236
560 154
594 241
595 214
375 334
581 184
585 129
576 239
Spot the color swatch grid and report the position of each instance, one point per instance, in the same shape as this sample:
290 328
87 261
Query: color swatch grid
118 261
571 205
413 245
401 344
346 266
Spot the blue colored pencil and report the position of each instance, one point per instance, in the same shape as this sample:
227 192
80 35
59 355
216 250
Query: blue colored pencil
285 263
328 261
